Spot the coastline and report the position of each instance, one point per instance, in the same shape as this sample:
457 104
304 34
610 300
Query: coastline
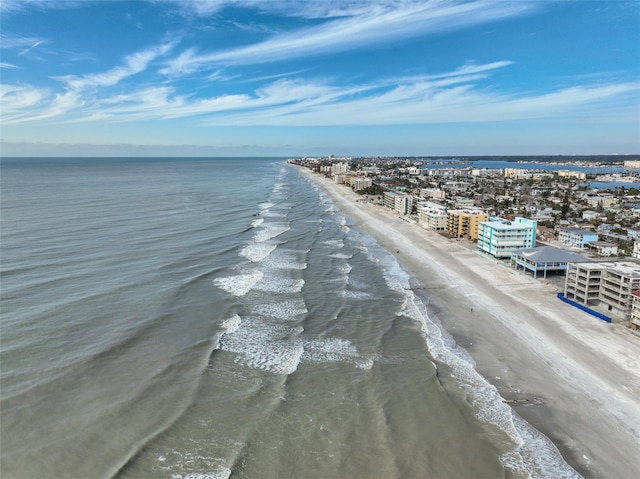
572 377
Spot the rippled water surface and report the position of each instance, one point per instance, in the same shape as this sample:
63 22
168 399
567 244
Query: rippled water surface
208 318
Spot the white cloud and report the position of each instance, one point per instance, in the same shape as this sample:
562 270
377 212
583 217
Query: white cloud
9 66
378 24
444 97
27 50
134 64
18 41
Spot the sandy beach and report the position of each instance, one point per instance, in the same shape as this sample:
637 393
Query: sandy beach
573 377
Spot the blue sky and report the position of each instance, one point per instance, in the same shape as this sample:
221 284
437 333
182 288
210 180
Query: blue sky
319 77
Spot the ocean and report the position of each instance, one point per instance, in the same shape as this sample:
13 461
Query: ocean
215 318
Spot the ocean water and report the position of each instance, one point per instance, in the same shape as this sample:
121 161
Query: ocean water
215 318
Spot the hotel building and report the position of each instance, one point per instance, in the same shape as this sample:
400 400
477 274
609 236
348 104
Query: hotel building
500 237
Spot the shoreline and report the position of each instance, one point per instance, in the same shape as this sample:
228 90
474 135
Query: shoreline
571 376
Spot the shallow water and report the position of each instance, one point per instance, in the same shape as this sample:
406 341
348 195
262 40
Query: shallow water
201 318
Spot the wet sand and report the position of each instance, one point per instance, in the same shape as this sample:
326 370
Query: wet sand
572 376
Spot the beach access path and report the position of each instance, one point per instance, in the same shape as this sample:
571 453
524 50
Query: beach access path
572 376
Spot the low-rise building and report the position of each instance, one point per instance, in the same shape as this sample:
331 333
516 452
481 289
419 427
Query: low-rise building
465 223
500 237
545 259
433 193
603 248
576 237
606 286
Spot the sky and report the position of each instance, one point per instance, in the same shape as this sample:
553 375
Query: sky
319 77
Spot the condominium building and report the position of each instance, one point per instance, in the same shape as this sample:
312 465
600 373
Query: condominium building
399 202
361 182
635 309
606 286
577 237
432 215
339 168
465 223
433 193
500 237
580 175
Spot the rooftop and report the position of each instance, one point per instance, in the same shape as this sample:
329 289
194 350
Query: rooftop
549 254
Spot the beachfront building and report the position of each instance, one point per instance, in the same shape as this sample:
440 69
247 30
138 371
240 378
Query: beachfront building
432 193
465 223
399 202
340 178
636 249
361 182
602 248
499 237
577 237
544 259
340 168
605 286
432 215
635 310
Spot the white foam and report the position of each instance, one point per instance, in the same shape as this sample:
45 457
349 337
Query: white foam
273 214
269 347
231 324
257 222
266 205
340 256
356 294
240 284
330 350
285 259
289 310
336 243
267 231
255 252
220 473
344 268
274 283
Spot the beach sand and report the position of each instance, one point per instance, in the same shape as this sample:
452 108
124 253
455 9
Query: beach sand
570 375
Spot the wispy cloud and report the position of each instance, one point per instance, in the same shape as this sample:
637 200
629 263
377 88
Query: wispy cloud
134 64
15 42
27 50
8 66
376 25
446 97
24 103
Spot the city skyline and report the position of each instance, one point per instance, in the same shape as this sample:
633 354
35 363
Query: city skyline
288 78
